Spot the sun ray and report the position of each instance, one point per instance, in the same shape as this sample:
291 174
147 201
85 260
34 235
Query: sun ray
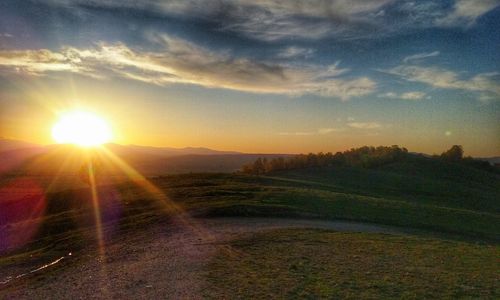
104 283
95 203
168 205
64 165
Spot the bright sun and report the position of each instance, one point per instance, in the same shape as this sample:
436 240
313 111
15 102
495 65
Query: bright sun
81 128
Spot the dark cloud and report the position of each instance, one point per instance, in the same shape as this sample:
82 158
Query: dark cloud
272 20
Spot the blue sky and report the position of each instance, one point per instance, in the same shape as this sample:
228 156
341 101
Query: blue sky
258 76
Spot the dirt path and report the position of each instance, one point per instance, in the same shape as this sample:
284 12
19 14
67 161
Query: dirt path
164 262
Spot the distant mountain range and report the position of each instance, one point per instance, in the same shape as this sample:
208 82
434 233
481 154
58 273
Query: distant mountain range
9 144
27 158
21 157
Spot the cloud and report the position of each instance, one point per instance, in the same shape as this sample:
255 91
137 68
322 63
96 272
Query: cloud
391 95
180 61
365 125
413 96
466 12
441 78
273 20
293 52
267 20
328 130
36 62
404 96
319 131
350 124
419 56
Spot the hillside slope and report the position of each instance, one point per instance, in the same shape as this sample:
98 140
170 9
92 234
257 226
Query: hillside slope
417 180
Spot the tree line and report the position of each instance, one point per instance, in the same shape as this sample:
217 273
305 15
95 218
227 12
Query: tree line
365 157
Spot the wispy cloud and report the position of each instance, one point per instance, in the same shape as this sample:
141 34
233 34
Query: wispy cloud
296 52
272 20
268 20
329 130
37 62
365 125
441 78
465 12
181 61
419 56
348 126
275 19
413 96
319 131
391 95
404 96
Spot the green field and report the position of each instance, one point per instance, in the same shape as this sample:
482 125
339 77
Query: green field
320 264
448 205
451 217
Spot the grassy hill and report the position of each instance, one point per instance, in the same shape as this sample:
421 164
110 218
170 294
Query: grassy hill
418 193
421 196
441 202
419 181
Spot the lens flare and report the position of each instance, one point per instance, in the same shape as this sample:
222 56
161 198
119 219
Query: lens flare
22 206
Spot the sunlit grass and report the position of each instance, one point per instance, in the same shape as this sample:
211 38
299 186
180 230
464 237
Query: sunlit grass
319 264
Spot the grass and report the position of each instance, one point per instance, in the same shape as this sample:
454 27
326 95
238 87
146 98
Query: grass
312 264
454 186
308 263
398 195
329 194
293 202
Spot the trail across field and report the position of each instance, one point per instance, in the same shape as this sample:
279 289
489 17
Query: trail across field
165 261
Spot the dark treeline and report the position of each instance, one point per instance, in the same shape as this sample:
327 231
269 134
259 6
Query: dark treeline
456 155
365 157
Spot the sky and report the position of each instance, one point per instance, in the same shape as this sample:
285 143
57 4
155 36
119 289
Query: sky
261 76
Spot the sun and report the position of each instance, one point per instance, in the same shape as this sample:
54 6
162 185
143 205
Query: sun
81 128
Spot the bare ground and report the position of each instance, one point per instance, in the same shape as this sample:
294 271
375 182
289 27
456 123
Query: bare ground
166 261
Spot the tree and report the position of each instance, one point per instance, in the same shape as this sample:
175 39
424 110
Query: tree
258 166
455 153
247 168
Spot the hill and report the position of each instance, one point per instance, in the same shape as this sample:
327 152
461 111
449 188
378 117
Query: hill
150 161
163 151
417 180
429 212
9 144
492 160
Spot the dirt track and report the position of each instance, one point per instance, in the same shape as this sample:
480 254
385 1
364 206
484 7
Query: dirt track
165 262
